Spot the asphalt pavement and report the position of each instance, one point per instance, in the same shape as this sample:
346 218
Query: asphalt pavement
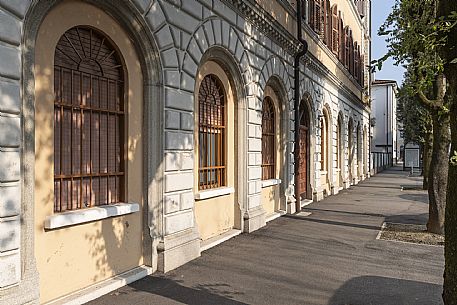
331 257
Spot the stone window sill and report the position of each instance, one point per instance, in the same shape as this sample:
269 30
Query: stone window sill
207 194
71 218
324 173
270 182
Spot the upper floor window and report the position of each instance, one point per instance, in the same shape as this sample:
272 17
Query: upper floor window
327 22
315 13
89 121
211 135
268 139
334 29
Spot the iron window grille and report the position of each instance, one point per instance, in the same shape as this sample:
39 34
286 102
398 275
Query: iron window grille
89 167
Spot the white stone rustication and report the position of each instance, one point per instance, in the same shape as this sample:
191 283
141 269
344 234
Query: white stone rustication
11 14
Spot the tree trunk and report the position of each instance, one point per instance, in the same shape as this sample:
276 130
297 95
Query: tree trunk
450 247
449 53
427 158
438 175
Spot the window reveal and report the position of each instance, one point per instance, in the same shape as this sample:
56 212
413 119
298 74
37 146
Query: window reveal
268 140
88 121
211 138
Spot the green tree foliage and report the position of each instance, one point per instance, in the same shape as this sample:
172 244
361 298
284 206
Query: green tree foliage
415 118
417 124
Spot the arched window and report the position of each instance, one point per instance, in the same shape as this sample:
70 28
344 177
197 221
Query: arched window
334 30
211 135
268 140
89 122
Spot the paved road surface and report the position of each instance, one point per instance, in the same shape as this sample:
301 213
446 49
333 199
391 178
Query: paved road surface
331 257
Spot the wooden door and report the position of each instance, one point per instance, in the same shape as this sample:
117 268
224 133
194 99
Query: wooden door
303 162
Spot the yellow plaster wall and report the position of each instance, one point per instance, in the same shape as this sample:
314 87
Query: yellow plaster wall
270 199
75 257
324 181
217 215
338 178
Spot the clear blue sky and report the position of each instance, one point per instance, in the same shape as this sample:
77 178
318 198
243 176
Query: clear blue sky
380 9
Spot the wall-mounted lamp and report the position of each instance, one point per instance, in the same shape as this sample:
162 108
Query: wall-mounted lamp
373 122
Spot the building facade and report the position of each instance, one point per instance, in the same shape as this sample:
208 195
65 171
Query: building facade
136 134
386 130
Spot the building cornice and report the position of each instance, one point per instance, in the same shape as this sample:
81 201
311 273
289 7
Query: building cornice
316 66
265 23
268 25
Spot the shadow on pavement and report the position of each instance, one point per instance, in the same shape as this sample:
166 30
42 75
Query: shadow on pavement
307 209
375 290
414 219
335 223
200 295
422 198
378 186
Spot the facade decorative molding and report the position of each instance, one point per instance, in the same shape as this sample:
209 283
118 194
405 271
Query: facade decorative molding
266 23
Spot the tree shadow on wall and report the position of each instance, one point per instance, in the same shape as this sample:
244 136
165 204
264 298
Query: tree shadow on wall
375 290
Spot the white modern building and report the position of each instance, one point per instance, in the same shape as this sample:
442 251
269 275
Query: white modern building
386 135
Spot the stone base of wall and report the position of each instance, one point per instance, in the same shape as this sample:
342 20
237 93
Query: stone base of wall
26 292
335 190
346 184
291 207
177 249
318 195
254 219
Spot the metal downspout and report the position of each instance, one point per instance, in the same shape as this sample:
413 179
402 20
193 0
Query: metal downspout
301 53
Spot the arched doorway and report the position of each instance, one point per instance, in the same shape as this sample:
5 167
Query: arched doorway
350 151
326 160
340 152
303 154
359 153
365 153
